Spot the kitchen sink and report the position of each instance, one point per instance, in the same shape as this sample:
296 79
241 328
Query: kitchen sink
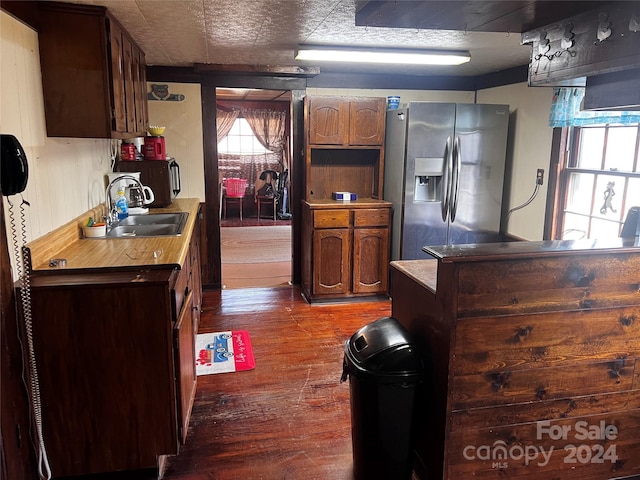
152 225
178 218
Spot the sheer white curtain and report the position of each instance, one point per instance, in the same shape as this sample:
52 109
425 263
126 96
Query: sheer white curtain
269 128
224 122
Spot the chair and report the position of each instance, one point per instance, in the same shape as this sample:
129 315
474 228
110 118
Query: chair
233 190
266 193
267 200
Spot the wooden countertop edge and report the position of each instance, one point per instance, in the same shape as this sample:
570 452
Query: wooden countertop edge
424 272
360 203
529 249
86 254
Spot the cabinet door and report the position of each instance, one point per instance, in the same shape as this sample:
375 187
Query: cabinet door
195 281
367 122
185 351
370 260
119 113
129 90
140 86
328 121
331 261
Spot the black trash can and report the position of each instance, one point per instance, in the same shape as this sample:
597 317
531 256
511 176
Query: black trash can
384 369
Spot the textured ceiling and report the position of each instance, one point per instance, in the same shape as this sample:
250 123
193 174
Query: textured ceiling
267 32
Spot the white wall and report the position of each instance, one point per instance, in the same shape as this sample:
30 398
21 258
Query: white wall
530 141
66 175
183 136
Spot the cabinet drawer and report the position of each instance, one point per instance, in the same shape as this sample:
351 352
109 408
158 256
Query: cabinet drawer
374 217
331 218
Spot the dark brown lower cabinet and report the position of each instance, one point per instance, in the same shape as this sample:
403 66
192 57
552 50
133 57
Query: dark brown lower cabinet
116 366
345 249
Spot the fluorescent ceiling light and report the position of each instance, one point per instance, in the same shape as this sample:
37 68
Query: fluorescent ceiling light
382 55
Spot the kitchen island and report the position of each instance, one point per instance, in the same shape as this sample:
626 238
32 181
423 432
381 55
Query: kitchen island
114 328
534 350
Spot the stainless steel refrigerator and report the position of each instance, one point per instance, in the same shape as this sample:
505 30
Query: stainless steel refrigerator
444 173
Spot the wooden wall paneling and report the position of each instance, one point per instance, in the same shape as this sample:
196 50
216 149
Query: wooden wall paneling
516 358
485 344
507 386
605 280
614 455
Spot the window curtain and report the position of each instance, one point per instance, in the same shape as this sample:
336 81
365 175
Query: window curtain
565 111
224 122
269 128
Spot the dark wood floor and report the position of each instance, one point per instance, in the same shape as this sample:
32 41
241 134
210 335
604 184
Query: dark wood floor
289 418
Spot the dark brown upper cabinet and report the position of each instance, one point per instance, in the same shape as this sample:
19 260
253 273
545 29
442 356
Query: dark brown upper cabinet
93 74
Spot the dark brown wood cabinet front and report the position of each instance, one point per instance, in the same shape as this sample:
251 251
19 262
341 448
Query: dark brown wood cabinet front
93 74
331 261
345 249
184 338
370 260
367 121
104 352
346 121
328 121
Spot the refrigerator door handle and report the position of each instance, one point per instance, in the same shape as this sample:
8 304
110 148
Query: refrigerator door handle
455 179
446 180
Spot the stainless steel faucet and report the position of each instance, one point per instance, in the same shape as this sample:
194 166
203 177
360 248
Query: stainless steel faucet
112 214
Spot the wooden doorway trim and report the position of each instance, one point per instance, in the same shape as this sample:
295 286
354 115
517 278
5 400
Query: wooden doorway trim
212 272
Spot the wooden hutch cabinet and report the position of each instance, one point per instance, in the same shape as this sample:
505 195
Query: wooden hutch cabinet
93 74
345 245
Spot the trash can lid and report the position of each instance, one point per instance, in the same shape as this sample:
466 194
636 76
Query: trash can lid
383 346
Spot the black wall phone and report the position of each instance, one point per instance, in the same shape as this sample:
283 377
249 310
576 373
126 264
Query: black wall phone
14 170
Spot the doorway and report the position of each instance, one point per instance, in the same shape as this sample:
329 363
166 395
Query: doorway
253 186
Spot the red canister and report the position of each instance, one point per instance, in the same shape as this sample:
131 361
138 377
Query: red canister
154 148
128 151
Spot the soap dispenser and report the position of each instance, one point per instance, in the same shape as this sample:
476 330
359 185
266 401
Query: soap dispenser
122 204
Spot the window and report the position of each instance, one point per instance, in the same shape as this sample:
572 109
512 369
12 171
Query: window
601 174
241 141
241 155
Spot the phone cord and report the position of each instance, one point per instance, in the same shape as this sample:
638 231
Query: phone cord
23 268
